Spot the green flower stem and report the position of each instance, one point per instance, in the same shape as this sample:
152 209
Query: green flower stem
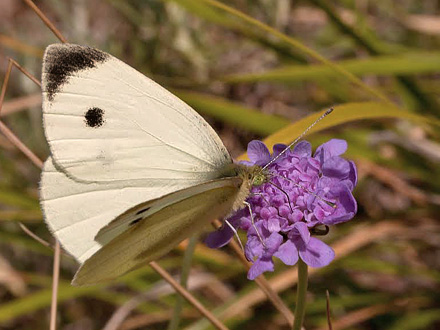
186 268
300 295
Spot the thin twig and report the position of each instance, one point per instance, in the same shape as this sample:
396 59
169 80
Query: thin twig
55 281
354 241
329 317
261 281
46 21
12 63
5 84
20 145
34 236
20 103
34 159
188 296
297 44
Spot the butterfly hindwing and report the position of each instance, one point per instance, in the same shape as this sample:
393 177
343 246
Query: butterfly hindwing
156 234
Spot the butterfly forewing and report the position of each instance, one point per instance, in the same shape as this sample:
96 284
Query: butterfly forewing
104 121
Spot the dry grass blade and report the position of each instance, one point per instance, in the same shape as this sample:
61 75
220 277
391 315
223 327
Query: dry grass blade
20 145
354 241
295 43
188 296
55 282
390 178
352 319
159 290
35 237
20 103
12 63
328 310
46 21
20 47
261 281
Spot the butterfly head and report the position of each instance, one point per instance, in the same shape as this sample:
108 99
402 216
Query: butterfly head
253 175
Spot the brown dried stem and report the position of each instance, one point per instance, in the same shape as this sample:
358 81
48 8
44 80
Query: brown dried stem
188 296
261 281
12 63
55 281
352 242
46 21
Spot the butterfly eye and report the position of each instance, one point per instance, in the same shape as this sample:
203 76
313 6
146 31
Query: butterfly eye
94 117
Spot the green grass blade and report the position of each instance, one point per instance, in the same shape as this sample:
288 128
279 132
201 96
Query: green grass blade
412 63
233 113
343 114
295 44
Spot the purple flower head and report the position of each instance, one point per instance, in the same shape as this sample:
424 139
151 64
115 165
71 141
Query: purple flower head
304 191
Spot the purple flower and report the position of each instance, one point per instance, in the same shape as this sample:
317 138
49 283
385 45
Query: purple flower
304 191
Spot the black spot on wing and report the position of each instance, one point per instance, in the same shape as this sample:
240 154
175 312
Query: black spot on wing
62 60
143 210
135 221
94 117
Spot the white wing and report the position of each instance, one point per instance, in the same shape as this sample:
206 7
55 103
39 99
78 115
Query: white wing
104 121
75 211
156 234
117 139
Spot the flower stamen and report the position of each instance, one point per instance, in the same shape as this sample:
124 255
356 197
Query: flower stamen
331 204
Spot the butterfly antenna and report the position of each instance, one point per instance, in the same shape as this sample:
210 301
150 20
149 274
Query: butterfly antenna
236 234
253 223
325 114
281 189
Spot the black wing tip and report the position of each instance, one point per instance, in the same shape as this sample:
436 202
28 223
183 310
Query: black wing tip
62 60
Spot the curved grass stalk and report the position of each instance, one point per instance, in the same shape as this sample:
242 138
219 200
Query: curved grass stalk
297 44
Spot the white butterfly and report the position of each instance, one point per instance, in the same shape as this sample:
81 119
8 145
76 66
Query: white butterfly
133 169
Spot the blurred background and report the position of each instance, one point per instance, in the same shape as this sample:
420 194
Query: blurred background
248 84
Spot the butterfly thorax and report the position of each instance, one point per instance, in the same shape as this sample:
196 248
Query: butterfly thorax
251 176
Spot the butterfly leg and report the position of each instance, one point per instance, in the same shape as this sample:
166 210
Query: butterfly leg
253 223
235 233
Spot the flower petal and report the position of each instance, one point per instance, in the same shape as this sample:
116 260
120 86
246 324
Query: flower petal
352 176
259 267
287 253
334 147
336 167
258 153
219 237
346 206
317 253
302 231
303 149
273 242
278 148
